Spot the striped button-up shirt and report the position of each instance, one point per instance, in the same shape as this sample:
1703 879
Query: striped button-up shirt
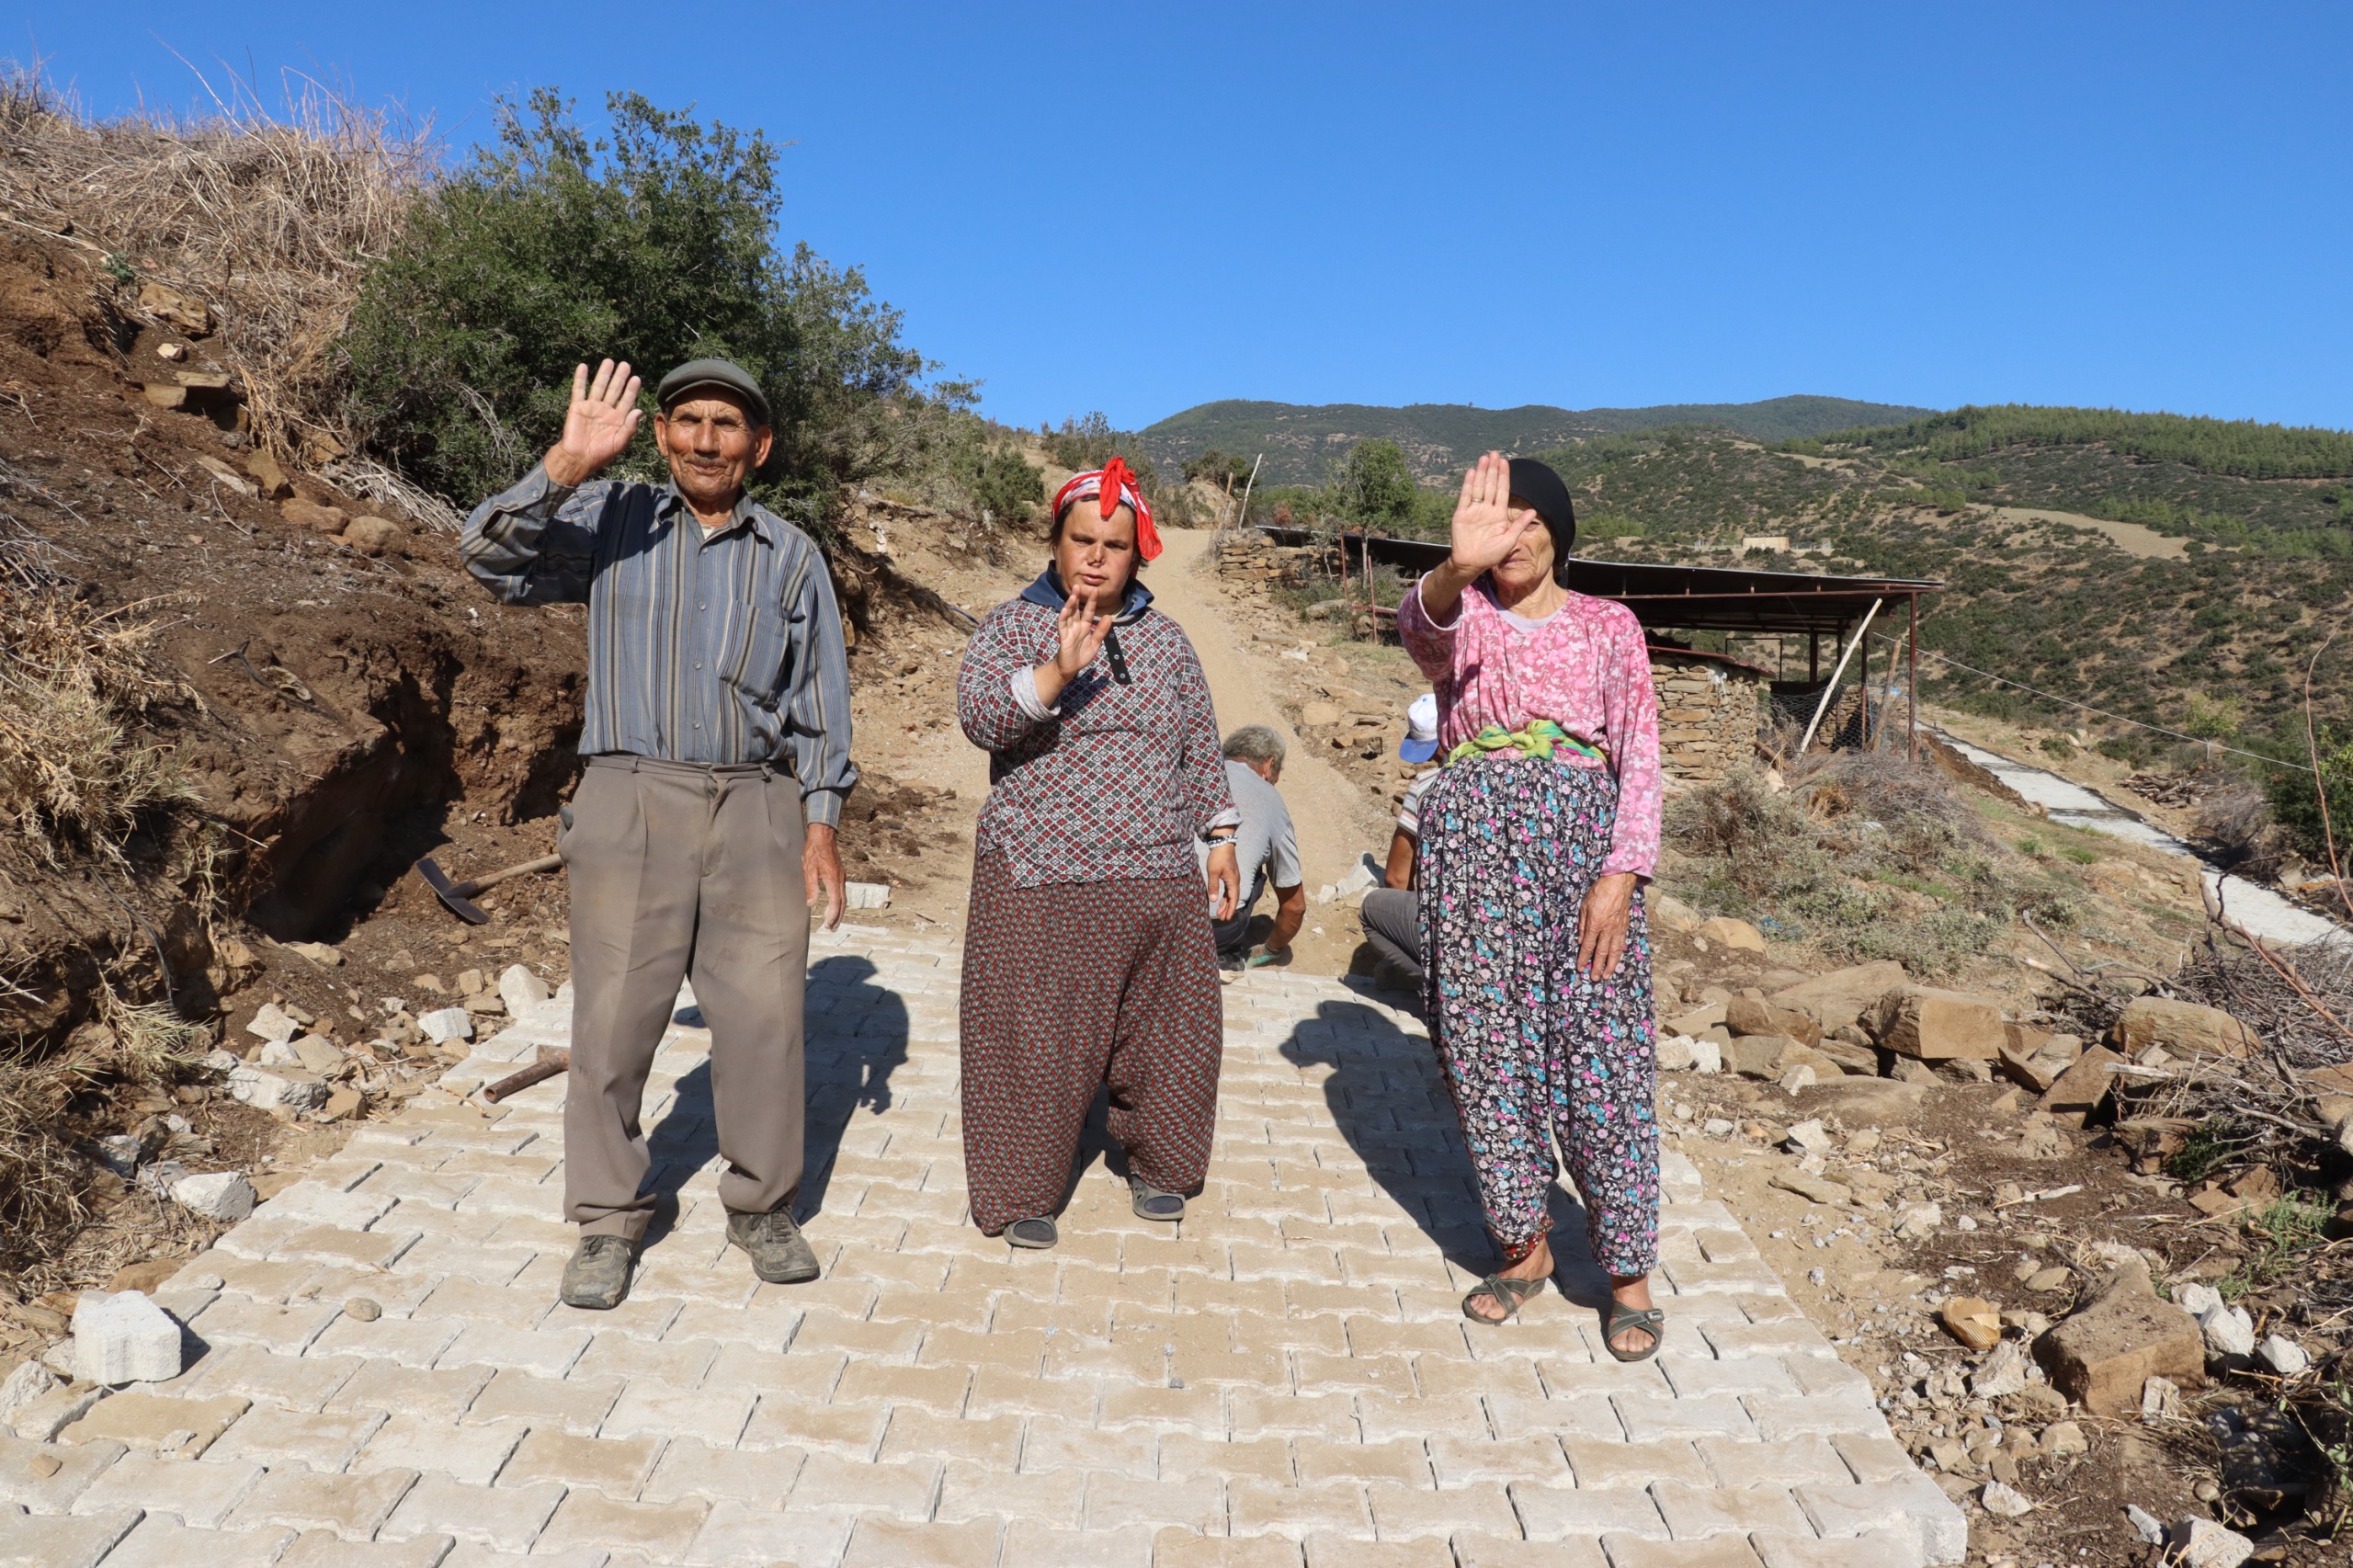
717 647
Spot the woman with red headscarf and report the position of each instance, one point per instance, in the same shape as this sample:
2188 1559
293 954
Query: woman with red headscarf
1087 958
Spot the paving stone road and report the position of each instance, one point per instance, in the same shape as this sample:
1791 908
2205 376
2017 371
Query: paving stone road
1286 1379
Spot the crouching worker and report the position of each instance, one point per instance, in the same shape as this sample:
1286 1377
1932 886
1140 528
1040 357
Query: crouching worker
717 740
1392 922
1266 852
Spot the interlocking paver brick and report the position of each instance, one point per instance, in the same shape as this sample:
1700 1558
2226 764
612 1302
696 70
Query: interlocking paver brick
894 1543
28 1480
472 1453
324 1548
195 1492
353 1506
573 1405
70 1542
661 1531
270 1436
1291 1363
149 1421
161 1540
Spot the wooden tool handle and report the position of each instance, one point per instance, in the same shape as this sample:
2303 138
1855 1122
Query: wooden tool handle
540 1072
544 863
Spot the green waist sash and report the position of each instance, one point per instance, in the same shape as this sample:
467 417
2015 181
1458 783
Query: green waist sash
1539 740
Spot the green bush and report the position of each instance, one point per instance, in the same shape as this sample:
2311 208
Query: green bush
2295 795
1006 487
655 244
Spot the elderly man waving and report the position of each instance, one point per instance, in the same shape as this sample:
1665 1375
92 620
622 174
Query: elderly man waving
717 723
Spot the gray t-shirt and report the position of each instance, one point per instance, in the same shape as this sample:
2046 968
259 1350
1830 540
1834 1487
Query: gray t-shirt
1265 838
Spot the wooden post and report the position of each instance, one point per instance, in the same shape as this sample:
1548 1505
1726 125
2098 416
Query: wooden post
1912 686
1813 657
1823 706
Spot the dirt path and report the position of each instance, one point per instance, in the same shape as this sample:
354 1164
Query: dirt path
1337 822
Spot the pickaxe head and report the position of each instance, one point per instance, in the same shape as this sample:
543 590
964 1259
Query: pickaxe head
448 892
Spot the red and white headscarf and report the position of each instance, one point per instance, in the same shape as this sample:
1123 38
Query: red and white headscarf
1108 486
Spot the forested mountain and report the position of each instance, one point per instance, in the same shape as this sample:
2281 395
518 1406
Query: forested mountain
1302 441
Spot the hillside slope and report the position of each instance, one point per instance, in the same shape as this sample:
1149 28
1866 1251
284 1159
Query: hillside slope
2205 623
1302 440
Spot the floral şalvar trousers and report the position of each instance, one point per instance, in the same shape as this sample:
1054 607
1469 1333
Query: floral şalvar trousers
1533 1050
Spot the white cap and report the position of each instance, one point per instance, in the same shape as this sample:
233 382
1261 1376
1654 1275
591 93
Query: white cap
1421 728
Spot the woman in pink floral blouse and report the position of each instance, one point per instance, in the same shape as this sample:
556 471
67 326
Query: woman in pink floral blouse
1535 841
1088 959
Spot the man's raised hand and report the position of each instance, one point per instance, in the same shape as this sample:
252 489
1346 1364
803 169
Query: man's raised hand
1483 531
599 425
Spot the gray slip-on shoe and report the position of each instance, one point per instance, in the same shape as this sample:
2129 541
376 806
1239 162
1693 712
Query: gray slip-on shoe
1036 1235
598 1276
1150 1203
780 1254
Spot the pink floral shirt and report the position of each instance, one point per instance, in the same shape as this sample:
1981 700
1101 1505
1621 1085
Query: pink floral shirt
1585 668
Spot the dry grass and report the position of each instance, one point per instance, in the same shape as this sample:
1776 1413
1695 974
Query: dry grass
270 218
74 683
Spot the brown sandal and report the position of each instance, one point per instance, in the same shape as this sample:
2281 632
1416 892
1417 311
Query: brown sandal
1646 1320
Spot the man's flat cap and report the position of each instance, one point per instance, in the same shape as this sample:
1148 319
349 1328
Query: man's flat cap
712 375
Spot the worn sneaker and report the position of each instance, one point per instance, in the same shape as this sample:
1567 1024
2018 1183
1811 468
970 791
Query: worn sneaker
598 1276
780 1254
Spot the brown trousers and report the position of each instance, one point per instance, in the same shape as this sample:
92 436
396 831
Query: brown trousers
679 870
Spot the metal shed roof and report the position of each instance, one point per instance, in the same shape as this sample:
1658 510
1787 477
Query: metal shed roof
1696 598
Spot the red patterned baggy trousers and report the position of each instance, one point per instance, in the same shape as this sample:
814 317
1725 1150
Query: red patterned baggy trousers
1069 987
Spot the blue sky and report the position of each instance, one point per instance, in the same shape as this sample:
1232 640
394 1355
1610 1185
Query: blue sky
1140 208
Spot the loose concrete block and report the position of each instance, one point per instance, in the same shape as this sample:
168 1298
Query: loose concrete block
1844 996
124 1338
268 1088
28 1383
2078 1091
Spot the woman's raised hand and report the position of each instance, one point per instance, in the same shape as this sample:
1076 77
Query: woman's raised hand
1080 632
599 425
1485 531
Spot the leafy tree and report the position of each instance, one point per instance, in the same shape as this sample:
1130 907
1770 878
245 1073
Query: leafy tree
655 242
1227 472
2295 795
1375 487
1006 485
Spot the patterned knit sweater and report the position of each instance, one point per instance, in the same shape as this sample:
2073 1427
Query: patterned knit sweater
1122 777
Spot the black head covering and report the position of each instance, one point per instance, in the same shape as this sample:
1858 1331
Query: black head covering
1542 488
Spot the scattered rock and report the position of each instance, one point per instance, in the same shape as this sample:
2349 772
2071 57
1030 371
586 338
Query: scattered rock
470 982
312 515
28 1383
446 1024
225 1196
362 1309
2202 1543
2198 1300
1973 1319
1706 1056
2052 1279
1676 1053
1841 997
2006 1501
2002 1374
482 1005
315 1053
1884 1101
2283 1356
268 1088
278 1053
1920 1222
1320 715
371 536
1809 1137
521 990
1933 1025
2160 1399
2181 1028
172 307
2079 1090
2148 1525
2065 1439
1666 910
1745 1015
320 953
340 1104
1758 1055
1737 934
274 1023
2229 1331
1812 1188
124 1338
1698 1020
1802 1077
2102 1356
